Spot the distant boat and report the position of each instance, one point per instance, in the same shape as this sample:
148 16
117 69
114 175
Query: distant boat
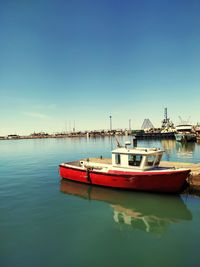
130 168
185 133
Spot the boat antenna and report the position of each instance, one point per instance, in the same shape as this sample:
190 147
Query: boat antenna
118 143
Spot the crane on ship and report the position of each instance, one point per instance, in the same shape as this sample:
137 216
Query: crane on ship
166 123
184 121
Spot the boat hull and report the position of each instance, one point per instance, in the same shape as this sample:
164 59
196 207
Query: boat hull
171 181
185 137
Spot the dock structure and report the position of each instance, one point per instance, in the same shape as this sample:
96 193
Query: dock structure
193 180
94 133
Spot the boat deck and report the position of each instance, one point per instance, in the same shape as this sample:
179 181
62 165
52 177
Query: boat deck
92 160
194 167
74 163
100 160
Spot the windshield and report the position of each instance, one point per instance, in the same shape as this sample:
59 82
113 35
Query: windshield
134 160
150 160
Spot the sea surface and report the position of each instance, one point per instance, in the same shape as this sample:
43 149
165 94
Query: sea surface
45 221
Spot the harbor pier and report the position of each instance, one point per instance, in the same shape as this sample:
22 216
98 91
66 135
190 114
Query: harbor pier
194 178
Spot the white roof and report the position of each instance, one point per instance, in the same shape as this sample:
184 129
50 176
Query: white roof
184 127
137 150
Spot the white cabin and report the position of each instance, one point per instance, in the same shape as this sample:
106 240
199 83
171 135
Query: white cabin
184 128
136 158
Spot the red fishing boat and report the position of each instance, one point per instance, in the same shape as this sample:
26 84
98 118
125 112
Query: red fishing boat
129 168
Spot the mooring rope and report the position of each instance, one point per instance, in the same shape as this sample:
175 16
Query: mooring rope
88 174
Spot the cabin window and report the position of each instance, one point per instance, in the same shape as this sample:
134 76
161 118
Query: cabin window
134 160
150 160
117 159
158 158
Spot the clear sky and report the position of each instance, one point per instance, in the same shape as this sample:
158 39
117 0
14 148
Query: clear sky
84 60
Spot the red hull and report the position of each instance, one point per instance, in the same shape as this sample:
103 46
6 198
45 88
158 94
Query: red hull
159 181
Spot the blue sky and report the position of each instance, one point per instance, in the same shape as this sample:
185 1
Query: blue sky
84 60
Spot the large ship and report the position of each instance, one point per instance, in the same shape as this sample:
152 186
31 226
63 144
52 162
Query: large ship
148 131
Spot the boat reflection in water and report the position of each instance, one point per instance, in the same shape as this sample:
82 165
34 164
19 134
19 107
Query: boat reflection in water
152 213
178 151
185 149
169 147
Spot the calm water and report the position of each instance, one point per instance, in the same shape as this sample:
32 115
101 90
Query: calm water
48 222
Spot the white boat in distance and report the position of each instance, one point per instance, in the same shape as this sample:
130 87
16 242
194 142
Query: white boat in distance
185 133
